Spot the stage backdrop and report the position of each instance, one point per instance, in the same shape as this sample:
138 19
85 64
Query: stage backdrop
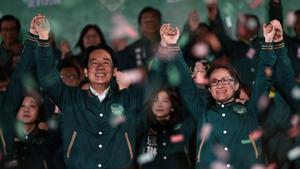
119 17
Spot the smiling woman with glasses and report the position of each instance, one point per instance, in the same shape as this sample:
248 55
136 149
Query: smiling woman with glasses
229 132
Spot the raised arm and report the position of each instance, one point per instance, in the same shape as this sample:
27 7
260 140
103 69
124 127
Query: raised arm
48 75
169 53
284 79
11 99
265 71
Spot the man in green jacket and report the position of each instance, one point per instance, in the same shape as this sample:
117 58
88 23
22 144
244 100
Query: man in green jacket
98 125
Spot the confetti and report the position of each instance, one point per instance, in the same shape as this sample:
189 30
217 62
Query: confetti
258 166
296 92
255 3
177 138
52 124
251 24
256 134
205 131
263 102
117 120
200 50
251 52
268 72
294 153
228 21
291 18
145 158
220 152
218 165
295 120
20 129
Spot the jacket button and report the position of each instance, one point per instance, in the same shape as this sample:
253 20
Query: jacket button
100 132
101 115
224 132
100 146
99 165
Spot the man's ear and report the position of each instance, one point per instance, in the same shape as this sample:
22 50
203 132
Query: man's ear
85 72
236 86
115 71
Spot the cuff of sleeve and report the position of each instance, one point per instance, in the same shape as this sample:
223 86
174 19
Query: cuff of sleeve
32 37
170 50
44 43
278 45
267 46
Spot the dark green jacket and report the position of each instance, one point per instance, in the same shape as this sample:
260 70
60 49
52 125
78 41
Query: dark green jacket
138 54
89 138
37 150
232 123
157 139
11 99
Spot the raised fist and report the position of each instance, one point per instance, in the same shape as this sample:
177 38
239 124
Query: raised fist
278 31
169 35
42 27
269 32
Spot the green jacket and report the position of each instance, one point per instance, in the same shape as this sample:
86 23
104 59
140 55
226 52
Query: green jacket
157 139
89 139
232 123
11 99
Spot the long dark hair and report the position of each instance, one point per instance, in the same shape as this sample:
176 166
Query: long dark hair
84 32
175 116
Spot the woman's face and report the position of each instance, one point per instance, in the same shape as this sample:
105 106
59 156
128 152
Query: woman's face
28 112
91 38
222 85
162 106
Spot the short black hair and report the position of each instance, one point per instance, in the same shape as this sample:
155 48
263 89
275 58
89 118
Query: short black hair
10 18
148 9
68 64
102 46
232 71
83 33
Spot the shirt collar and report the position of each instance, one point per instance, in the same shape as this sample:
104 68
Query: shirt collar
100 96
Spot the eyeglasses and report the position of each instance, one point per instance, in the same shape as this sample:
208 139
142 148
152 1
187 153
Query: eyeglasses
223 81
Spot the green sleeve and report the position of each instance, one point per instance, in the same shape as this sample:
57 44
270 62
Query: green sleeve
13 96
275 11
264 77
48 75
284 81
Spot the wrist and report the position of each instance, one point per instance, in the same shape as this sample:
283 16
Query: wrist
163 44
44 36
268 40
